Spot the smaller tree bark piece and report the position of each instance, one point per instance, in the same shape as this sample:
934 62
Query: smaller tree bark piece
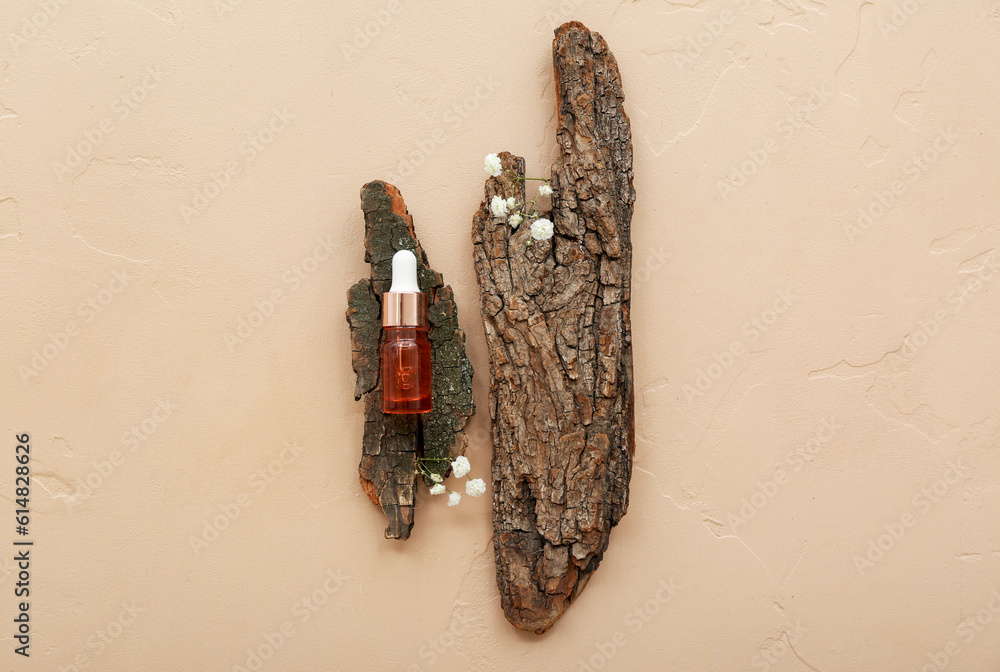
392 444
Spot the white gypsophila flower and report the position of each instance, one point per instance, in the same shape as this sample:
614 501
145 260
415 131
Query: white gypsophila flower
541 229
454 498
511 203
545 190
498 207
515 220
493 165
461 466
475 487
436 478
438 489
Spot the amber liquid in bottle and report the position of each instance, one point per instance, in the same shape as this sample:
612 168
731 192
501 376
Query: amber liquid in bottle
406 368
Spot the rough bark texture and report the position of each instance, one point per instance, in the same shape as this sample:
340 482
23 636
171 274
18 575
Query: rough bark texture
559 337
392 443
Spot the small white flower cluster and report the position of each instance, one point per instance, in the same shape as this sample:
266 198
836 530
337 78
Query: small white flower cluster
499 207
541 227
493 165
474 487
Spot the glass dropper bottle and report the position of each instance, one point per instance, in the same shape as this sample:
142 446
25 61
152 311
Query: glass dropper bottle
406 352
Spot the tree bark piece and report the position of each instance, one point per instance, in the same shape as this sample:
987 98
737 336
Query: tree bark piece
559 336
392 443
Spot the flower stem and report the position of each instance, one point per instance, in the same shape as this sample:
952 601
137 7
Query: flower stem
518 177
423 469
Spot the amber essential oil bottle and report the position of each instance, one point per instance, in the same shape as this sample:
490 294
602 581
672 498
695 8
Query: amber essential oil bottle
406 352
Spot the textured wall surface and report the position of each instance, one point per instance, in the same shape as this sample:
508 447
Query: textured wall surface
815 318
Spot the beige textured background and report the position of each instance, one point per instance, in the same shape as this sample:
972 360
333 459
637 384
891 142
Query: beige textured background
816 475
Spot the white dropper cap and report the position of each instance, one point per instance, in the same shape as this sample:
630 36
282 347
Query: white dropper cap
404 305
404 272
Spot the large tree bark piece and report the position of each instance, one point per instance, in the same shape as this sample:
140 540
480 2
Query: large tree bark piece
392 443
559 337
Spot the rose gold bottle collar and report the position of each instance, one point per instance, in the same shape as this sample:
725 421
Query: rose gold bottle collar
404 309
